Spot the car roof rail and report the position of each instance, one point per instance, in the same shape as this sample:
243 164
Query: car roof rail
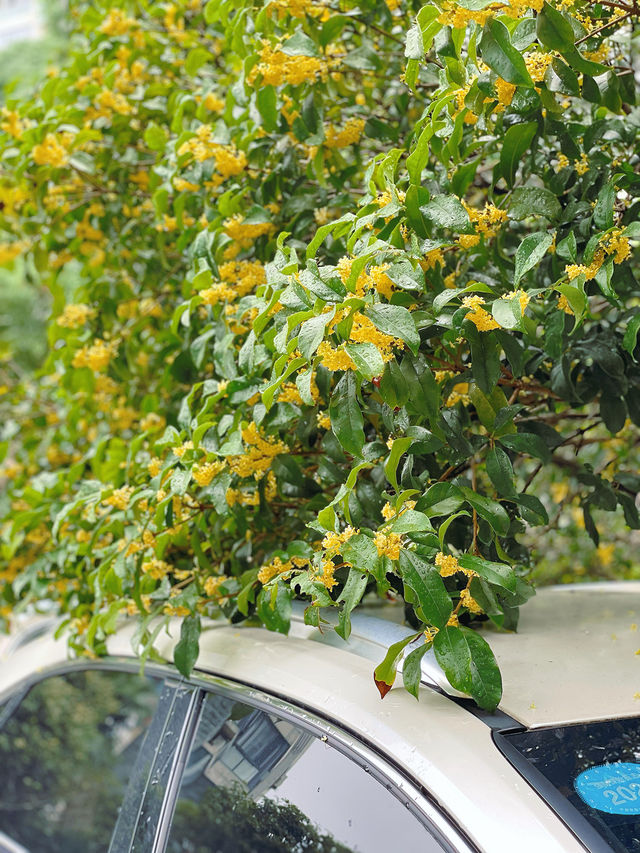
370 637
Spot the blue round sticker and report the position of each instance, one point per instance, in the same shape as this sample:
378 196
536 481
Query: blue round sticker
612 788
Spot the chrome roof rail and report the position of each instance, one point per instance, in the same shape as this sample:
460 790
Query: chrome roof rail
370 638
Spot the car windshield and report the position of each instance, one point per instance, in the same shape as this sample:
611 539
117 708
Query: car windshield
590 774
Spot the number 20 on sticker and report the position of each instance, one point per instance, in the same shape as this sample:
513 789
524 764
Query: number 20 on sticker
612 788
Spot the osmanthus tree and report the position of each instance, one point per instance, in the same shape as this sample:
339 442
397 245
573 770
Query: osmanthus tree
331 284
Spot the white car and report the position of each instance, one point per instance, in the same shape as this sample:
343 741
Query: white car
283 743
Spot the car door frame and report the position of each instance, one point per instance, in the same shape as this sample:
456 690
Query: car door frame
370 757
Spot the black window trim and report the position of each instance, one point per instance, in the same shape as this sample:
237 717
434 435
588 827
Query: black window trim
408 789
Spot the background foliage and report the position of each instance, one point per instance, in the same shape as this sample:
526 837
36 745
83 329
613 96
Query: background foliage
344 304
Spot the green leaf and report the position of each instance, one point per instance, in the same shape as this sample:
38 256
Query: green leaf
385 673
412 669
196 58
490 510
299 45
396 321
530 252
187 648
485 358
499 574
603 211
469 664
446 211
500 471
312 333
631 335
516 143
411 521
583 66
554 30
529 443
417 160
274 607
399 447
425 589
501 56
534 201
414 48
266 103
350 597
346 415
156 137
366 357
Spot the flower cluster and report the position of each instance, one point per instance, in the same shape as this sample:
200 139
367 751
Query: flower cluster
261 451
276 68
479 316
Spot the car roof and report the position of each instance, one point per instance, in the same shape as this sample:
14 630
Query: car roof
436 742
575 657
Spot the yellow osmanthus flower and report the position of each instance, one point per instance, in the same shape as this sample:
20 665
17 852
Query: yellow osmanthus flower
155 568
273 569
120 498
12 124
10 251
562 162
333 542
615 243
447 564
388 544
468 601
181 449
505 91
213 103
582 165
537 64
323 420
486 221
261 450
276 68
364 330
204 473
522 297
109 102
50 152
117 23
212 585
75 315
459 394
244 233
327 577
456 16
480 317
96 356
388 511
349 135
299 8
432 259
335 359
154 466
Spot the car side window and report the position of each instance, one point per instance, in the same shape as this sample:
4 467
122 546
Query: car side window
255 782
67 748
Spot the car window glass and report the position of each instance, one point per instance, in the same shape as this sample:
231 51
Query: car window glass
257 783
66 752
593 767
